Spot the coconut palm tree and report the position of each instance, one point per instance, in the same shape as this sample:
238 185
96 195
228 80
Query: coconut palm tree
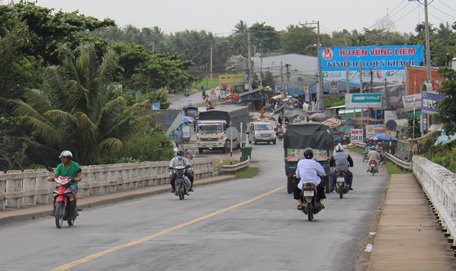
75 109
240 27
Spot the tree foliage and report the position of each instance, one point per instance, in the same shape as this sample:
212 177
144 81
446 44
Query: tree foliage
447 107
50 29
74 111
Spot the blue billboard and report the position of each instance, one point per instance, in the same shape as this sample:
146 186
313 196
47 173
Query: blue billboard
377 58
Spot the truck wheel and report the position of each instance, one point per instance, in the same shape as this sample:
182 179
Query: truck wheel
274 142
200 150
289 185
224 150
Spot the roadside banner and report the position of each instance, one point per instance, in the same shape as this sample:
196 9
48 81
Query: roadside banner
429 100
412 101
357 135
373 130
379 62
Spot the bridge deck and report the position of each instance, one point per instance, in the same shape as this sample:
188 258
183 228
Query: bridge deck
408 236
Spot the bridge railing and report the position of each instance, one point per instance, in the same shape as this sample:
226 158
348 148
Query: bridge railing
30 187
438 183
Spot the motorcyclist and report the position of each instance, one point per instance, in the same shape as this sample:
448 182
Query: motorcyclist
180 160
70 169
380 151
341 161
309 170
373 155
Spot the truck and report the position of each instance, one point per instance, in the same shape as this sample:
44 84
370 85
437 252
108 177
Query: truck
301 136
220 128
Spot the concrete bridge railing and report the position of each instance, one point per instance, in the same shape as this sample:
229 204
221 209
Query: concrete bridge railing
30 187
439 184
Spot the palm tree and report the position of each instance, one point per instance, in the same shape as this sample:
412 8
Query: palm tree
240 27
76 111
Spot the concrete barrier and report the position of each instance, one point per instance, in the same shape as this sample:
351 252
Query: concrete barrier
439 184
30 187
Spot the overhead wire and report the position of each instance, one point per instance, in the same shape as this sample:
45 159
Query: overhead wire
450 15
443 3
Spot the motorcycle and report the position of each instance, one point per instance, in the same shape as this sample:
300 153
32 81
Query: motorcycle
341 184
64 206
182 183
365 158
310 206
373 167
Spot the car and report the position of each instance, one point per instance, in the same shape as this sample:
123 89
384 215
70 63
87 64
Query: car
261 132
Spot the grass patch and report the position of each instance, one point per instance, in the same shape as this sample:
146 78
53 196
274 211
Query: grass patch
249 172
393 169
390 166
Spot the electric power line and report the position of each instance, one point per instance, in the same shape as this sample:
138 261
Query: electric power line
447 6
434 7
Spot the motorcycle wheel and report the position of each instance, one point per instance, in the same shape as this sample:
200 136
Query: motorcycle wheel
289 185
181 192
59 213
341 192
310 214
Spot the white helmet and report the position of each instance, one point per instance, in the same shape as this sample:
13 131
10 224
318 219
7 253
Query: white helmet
339 148
65 154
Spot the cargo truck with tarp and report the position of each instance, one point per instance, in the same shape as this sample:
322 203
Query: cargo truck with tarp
300 136
220 128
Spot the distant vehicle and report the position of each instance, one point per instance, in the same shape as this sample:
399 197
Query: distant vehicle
191 111
261 132
220 127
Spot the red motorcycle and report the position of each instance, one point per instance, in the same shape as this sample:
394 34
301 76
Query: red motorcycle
373 167
64 206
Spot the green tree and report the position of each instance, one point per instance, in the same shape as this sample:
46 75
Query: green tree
265 38
148 146
50 30
298 39
74 110
17 71
447 107
413 126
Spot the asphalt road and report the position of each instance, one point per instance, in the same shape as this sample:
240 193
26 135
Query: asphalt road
246 224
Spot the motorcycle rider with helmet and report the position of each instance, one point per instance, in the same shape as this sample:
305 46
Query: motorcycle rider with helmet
341 161
373 155
70 169
309 170
180 160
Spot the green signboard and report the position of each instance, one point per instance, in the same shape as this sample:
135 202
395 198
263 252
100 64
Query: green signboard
363 100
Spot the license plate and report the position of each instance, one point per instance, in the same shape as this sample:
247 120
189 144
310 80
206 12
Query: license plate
340 180
308 193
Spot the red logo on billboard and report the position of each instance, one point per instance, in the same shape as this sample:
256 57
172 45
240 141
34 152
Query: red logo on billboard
328 53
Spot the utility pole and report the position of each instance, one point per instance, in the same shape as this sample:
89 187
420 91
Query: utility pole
347 71
427 40
319 103
249 63
428 43
360 77
288 78
210 65
281 71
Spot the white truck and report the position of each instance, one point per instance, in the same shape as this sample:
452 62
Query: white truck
220 127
